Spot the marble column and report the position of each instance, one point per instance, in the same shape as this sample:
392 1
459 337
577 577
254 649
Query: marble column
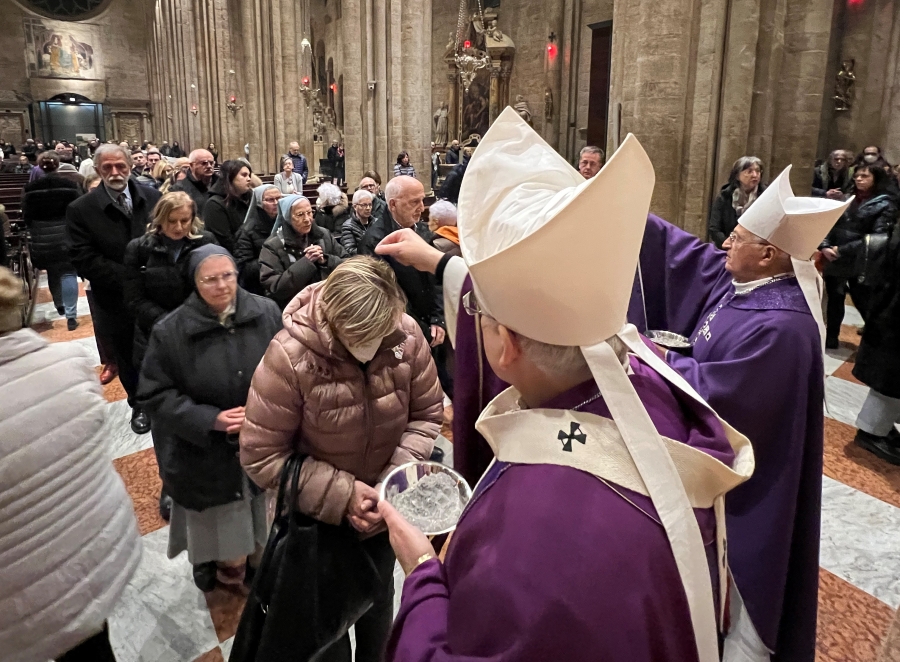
494 108
453 124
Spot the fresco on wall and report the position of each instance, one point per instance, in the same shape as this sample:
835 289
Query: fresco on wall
475 106
54 49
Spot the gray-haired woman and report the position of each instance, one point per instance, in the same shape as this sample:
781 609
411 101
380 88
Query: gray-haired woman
743 187
355 227
332 209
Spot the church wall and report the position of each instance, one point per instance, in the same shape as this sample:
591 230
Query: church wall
594 11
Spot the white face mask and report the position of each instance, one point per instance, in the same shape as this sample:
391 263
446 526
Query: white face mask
364 352
870 158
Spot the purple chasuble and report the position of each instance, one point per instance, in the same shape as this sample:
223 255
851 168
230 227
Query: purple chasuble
758 362
550 563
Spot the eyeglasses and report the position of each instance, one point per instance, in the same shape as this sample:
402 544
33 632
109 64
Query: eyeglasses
227 277
363 206
471 305
301 214
370 187
735 239
205 163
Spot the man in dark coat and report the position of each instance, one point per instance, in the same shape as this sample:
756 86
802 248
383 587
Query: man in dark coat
44 212
452 156
453 182
199 180
299 161
833 178
100 225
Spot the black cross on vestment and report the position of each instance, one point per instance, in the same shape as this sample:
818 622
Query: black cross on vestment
575 434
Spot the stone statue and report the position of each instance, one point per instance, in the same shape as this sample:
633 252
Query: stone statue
843 88
493 31
548 105
440 124
521 106
450 50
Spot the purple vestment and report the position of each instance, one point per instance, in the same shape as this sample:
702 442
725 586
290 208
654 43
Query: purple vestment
759 365
549 563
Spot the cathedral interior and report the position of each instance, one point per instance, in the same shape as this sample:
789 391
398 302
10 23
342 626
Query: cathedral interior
700 83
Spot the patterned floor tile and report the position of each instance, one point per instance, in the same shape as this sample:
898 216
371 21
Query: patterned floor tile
114 391
141 477
44 296
215 655
848 463
844 399
57 331
852 624
225 607
117 431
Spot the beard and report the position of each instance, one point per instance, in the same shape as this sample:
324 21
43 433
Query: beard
116 183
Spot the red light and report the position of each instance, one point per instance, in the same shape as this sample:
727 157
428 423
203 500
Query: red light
306 81
334 87
551 50
233 98
855 3
467 44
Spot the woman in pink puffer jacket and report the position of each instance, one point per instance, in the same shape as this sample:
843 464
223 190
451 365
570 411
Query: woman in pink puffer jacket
350 383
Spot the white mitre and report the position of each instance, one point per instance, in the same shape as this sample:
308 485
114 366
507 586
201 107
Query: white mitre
553 257
797 226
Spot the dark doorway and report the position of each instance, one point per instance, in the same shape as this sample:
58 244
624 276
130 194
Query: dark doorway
66 117
598 100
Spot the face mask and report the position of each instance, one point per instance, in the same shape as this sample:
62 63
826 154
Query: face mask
870 158
364 352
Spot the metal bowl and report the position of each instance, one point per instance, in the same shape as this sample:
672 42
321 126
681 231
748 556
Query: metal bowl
668 339
407 475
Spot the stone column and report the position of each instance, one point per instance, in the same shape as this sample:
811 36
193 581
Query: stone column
494 109
355 91
453 123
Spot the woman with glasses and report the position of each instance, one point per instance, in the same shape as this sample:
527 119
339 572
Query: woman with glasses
355 227
194 383
299 253
744 186
288 181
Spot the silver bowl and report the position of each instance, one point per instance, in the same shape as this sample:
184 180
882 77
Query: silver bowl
407 475
668 339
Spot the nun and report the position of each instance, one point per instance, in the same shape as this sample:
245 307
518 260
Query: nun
258 226
194 384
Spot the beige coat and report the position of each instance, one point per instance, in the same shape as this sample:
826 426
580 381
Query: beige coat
69 542
309 393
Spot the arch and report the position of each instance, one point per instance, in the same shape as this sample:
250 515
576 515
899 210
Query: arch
65 10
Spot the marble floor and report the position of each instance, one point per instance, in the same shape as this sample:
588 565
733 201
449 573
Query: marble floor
164 618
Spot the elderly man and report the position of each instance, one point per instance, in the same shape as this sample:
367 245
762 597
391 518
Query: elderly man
753 315
405 203
578 438
379 206
199 180
452 156
833 179
443 217
590 160
299 161
99 226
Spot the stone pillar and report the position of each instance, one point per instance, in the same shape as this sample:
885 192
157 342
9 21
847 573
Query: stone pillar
453 123
494 109
356 43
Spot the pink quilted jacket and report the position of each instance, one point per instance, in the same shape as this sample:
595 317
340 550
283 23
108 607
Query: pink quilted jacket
309 393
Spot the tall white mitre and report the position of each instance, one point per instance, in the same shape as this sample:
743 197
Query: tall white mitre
553 256
797 226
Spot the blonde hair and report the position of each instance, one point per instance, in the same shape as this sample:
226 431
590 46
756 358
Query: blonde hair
169 203
162 170
361 299
11 298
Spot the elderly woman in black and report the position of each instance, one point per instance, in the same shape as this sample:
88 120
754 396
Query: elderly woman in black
859 237
194 383
229 200
299 253
744 186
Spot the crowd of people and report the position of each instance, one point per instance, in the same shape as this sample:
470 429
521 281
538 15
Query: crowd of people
252 327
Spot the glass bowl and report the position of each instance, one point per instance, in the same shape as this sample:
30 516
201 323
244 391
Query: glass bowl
407 476
668 339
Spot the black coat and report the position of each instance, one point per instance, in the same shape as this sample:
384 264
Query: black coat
224 219
195 368
283 268
197 191
723 219
452 156
878 361
44 212
98 233
825 179
874 216
154 285
332 219
247 247
352 234
425 298
453 182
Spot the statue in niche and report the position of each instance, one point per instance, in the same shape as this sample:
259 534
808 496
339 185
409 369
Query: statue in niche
521 106
843 88
548 105
440 124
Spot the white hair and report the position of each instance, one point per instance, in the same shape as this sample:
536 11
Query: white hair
443 212
559 360
108 150
329 195
362 195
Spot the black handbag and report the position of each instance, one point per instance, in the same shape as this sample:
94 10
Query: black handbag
872 267
313 583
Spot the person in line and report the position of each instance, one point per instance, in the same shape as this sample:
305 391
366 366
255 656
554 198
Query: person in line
176 152
590 161
47 162
336 159
453 181
139 159
160 173
354 228
403 168
350 383
754 318
194 382
373 186
68 534
86 167
44 206
331 209
872 156
452 156
833 179
872 213
153 157
744 186
200 177
425 303
878 363
443 219
211 148
228 204
177 175
257 228
555 433
288 181
299 253
99 226
300 166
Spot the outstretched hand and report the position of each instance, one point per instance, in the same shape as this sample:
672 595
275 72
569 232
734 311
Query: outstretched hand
410 249
408 542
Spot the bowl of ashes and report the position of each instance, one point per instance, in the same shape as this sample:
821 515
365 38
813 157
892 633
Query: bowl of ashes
429 495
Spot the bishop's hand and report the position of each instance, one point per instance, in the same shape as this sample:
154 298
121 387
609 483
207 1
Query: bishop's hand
410 249
410 545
